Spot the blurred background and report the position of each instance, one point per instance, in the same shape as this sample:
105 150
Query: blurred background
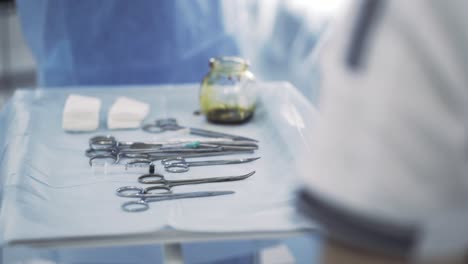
17 66
278 37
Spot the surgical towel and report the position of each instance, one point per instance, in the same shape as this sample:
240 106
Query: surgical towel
48 185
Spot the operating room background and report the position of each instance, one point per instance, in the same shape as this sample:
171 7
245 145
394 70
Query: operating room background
17 66
278 37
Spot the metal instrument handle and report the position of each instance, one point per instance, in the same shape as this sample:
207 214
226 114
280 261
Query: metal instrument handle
94 152
130 191
159 189
168 161
135 206
113 157
177 167
102 142
154 178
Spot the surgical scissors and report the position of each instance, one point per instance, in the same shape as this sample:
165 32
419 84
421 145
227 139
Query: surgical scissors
170 124
106 144
107 147
109 142
142 204
115 157
163 186
178 164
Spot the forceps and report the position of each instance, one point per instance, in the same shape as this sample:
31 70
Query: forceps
178 164
107 147
142 204
110 143
115 157
101 145
170 124
163 186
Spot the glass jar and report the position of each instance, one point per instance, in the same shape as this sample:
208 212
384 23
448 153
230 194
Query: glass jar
228 92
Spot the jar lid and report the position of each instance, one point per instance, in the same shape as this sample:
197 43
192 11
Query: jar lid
229 63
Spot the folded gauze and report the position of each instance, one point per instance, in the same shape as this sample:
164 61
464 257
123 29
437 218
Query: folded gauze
126 113
81 113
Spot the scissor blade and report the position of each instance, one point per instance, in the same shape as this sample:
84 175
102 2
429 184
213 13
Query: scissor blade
206 194
217 162
244 138
248 160
232 178
242 143
191 195
217 179
208 133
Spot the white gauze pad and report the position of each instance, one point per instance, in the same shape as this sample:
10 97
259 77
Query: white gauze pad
127 113
81 113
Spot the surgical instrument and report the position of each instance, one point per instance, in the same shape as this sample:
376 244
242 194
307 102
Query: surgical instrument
115 157
162 186
173 165
142 204
104 146
108 141
178 164
170 124
92 152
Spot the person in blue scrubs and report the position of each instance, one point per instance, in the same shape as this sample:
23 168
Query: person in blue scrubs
115 42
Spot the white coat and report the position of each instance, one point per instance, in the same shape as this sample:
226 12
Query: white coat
392 139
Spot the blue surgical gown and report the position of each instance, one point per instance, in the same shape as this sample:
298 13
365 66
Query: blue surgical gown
114 42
